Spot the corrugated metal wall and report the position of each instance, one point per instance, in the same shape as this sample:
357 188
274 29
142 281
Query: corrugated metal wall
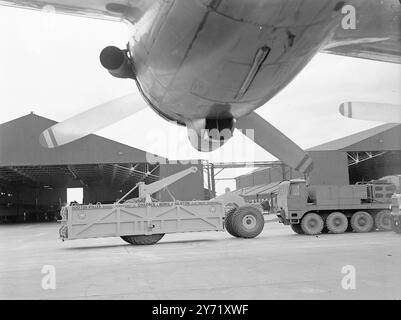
267 176
330 168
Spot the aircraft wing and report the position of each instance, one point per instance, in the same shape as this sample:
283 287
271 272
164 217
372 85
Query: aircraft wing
375 33
378 49
116 10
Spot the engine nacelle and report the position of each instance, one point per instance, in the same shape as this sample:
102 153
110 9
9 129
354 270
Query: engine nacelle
117 62
208 135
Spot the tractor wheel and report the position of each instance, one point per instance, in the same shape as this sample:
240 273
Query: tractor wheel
383 220
337 222
297 228
396 224
312 224
143 240
362 222
229 222
247 222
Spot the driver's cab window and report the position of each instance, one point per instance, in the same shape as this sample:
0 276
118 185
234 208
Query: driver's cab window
295 190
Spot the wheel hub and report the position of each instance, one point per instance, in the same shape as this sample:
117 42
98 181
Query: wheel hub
338 222
386 221
312 223
362 221
249 222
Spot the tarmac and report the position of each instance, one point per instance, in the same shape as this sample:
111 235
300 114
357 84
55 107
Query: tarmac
197 266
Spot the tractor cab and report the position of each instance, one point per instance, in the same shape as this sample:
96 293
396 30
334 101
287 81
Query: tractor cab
292 198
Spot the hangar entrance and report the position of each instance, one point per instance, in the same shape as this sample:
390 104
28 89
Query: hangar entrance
369 166
33 194
75 195
34 180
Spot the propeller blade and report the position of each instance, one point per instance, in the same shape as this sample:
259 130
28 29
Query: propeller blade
371 111
91 121
276 143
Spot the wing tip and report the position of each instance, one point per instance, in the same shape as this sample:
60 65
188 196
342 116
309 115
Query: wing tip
342 109
346 109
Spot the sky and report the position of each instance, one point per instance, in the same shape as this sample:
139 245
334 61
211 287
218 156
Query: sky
49 64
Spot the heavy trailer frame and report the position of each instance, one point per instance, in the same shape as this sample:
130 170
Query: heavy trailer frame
312 210
144 221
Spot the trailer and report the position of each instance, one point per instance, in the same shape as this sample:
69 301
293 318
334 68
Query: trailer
396 213
312 210
144 221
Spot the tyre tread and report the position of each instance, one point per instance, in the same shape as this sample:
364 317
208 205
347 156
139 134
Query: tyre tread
237 218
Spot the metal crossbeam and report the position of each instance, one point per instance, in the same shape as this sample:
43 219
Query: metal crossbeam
73 172
139 172
355 158
257 164
24 174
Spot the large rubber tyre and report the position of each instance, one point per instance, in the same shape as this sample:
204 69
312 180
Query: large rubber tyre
143 240
297 228
229 222
362 222
383 220
247 222
325 230
312 224
396 224
337 222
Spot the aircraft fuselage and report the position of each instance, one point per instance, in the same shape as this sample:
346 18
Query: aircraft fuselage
197 59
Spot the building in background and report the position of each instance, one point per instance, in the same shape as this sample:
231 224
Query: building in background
365 156
34 180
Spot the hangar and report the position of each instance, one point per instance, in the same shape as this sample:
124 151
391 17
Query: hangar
34 180
365 156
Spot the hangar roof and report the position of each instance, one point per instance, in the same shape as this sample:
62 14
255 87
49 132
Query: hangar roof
386 137
92 160
19 146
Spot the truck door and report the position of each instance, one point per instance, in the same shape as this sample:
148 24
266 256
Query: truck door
282 198
296 200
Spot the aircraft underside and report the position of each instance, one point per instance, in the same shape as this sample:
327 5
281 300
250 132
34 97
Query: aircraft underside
208 64
196 61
